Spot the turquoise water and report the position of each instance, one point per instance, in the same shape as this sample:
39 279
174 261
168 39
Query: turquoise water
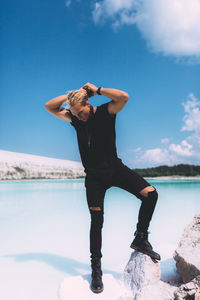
44 231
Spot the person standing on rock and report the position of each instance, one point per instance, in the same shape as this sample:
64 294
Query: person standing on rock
95 128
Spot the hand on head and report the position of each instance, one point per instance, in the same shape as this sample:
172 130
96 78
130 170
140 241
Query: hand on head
90 89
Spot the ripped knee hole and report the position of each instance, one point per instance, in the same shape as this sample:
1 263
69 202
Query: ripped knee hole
96 208
149 193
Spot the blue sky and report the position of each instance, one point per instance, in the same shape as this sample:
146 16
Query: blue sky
148 49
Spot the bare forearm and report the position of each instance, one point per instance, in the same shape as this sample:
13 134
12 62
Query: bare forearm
114 94
55 103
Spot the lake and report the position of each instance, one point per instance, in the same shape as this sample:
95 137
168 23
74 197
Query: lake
44 231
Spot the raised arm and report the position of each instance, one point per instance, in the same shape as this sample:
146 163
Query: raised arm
119 98
54 107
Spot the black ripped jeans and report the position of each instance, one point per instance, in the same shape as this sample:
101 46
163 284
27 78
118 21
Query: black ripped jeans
97 182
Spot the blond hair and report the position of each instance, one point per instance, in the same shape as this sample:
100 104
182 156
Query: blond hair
76 96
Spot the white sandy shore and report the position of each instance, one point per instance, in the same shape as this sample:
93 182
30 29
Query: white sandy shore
164 178
43 179
22 166
174 178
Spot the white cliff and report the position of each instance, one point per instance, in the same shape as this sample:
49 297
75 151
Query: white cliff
14 165
142 277
190 290
187 254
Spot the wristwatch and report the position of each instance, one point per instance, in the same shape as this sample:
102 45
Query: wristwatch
98 91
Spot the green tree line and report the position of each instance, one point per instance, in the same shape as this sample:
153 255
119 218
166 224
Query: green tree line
179 170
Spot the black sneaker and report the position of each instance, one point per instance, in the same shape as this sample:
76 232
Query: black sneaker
141 244
96 282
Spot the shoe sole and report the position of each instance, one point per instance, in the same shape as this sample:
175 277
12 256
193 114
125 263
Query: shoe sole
145 252
96 291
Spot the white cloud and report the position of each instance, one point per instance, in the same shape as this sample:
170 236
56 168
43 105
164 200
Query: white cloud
165 141
171 27
136 149
121 12
156 156
194 140
192 116
187 151
183 149
68 3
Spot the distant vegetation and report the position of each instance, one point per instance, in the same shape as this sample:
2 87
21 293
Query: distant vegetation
177 170
20 170
20 173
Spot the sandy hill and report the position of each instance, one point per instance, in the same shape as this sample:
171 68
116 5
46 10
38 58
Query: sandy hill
15 165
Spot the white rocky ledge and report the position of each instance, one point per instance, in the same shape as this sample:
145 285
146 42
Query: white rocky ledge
16 166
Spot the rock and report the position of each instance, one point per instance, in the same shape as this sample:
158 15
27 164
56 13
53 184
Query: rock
189 290
190 285
160 291
140 271
191 293
142 277
187 255
197 296
142 274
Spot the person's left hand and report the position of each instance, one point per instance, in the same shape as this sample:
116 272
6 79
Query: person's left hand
90 88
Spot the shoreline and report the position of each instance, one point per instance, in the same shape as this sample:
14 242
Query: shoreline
164 178
175 178
39 179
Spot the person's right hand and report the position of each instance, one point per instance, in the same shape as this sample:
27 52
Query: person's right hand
90 89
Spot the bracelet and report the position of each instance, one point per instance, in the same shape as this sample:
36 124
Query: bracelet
98 91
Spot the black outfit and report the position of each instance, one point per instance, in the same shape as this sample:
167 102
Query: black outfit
103 168
96 139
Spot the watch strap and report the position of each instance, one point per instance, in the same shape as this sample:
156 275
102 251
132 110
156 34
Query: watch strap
99 91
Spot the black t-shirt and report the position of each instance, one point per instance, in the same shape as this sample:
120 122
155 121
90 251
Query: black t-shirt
97 138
